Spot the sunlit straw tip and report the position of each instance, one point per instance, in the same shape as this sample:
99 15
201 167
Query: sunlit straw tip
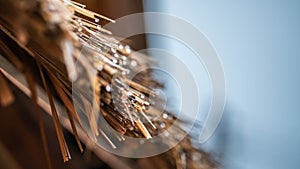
78 4
104 17
143 129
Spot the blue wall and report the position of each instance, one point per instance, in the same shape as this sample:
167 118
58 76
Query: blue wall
258 43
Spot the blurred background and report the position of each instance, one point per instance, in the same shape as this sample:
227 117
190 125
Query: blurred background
258 45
